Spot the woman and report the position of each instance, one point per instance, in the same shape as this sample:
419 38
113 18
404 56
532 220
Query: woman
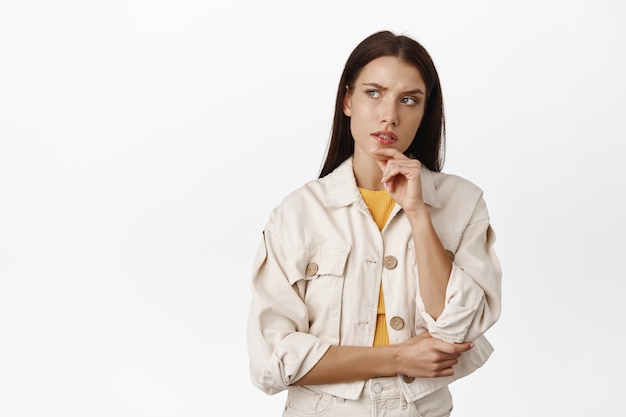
375 283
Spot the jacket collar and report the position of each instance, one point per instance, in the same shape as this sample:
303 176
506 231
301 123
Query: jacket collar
343 190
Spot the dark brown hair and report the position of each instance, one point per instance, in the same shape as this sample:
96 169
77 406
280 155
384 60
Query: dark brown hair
429 142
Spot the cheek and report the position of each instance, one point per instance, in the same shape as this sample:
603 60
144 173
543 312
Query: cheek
362 113
420 117
365 106
419 120
413 120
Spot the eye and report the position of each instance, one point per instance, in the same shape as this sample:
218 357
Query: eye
409 100
374 93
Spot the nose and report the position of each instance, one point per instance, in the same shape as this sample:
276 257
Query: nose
389 113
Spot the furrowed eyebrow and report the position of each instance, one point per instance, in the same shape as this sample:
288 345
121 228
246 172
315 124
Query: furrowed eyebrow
380 87
416 91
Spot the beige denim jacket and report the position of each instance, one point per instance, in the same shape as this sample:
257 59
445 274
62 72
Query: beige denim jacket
317 274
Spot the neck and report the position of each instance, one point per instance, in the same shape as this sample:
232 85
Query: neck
367 173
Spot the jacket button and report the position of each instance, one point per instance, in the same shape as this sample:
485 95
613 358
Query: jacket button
396 323
450 255
311 269
408 379
390 262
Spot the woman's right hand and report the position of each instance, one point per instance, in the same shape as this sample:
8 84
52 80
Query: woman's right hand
424 356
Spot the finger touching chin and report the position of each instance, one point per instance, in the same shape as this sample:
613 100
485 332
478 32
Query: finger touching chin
384 154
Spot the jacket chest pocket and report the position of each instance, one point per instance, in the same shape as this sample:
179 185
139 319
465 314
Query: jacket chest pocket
450 242
318 272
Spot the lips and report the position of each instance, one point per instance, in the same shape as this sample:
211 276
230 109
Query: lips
384 137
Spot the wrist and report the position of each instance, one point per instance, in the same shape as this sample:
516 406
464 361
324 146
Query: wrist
393 362
418 213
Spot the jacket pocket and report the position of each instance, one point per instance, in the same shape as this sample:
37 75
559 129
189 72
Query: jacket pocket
309 262
301 401
450 242
321 268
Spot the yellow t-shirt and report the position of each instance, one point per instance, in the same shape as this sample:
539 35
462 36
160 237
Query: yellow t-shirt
380 205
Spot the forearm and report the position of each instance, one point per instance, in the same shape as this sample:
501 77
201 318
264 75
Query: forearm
421 356
351 363
433 264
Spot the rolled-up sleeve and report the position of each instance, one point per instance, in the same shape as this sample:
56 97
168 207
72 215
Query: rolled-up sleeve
473 294
281 351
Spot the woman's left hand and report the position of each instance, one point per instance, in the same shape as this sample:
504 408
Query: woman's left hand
401 177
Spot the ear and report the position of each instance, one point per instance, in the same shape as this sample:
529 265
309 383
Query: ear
347 103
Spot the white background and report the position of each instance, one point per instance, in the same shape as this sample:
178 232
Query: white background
143 144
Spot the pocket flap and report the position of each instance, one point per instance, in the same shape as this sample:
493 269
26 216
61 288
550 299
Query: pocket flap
310 261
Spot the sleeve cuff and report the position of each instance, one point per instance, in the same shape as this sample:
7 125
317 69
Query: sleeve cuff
293 358
464 298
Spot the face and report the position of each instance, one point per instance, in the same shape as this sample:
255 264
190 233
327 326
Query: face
385 106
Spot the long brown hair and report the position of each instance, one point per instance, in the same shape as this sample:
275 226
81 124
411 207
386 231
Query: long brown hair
429 142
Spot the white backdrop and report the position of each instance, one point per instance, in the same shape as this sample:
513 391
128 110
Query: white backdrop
143 144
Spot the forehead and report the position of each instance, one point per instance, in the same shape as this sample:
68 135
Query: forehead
390 71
